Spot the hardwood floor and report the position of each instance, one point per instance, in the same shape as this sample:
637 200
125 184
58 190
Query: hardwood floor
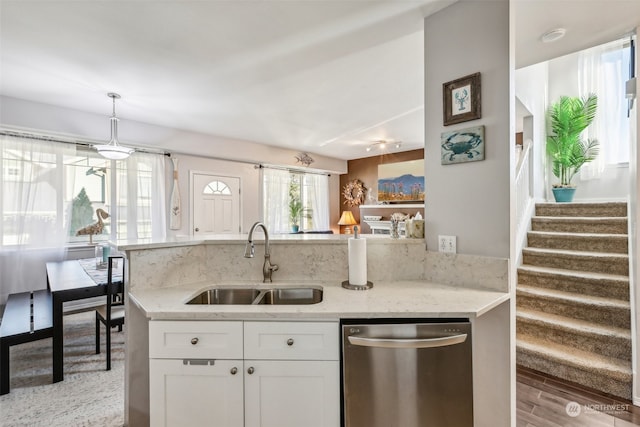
544 401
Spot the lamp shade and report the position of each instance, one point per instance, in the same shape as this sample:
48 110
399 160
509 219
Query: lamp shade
114 151
347 218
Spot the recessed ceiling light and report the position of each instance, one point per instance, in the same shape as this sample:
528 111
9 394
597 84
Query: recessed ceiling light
553 35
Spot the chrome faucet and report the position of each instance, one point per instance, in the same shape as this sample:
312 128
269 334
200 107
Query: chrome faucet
249 251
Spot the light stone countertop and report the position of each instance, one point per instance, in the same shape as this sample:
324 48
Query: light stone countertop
400 299
222 239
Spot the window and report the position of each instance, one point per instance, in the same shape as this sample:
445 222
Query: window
282 189
50 190
603 70
217 188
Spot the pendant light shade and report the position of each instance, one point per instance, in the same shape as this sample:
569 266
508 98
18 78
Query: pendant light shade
113 150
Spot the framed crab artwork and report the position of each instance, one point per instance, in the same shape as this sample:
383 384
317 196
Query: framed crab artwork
461 100
464 145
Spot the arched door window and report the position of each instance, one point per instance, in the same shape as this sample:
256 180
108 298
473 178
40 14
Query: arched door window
217 187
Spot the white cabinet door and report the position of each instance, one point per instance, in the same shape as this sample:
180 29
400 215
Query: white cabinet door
196 395
292 393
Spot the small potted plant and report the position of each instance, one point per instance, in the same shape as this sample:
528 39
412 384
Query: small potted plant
295 206
568 118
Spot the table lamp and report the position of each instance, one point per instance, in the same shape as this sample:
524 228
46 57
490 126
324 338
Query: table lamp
348 220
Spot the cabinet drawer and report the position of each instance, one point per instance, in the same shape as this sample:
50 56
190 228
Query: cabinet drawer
291 340
193 339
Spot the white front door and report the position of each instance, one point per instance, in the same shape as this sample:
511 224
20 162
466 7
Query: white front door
216 204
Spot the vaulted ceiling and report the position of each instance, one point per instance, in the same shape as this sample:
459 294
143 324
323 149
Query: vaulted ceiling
323 76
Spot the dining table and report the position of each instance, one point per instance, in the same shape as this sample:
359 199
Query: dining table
72 280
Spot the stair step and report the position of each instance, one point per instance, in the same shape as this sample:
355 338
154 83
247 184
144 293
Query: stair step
583 283
610 375
611 209
606 225
576 260
604 340
603 311
587 242
573 316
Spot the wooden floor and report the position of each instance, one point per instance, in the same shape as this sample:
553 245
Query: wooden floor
544 401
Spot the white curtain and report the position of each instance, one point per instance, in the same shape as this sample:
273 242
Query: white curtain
602 70
34 226
318 196
314 196
38 184
141 211
276 200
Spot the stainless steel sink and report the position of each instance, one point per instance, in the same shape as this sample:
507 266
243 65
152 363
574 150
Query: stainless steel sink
266 296
291 296
226 296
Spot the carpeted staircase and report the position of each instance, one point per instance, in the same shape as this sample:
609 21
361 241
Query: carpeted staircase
573 312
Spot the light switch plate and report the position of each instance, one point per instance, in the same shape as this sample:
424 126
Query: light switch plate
447 244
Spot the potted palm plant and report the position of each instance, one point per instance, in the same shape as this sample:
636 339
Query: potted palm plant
295 206
569 151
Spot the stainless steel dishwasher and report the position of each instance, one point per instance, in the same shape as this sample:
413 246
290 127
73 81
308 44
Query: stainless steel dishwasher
407 374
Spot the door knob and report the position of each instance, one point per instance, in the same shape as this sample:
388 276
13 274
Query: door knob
290 342
234 370
197 229
194 340
250 370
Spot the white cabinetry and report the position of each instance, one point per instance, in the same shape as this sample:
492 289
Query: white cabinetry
195 374
253 374
292 394
196 395
292 374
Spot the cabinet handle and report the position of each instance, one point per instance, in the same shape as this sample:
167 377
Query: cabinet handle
234 370
290 342
194 340
250 370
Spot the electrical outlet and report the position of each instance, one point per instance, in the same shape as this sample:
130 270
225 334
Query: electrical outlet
447 244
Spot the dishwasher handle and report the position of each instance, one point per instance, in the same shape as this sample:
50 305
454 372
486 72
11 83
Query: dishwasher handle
408 343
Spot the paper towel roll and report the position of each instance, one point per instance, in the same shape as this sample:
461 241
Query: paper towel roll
357 261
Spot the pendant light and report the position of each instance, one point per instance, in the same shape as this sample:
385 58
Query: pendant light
113 150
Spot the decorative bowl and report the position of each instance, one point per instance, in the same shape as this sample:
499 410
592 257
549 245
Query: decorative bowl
372 217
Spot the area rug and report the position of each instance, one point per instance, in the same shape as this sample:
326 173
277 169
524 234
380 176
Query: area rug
88 396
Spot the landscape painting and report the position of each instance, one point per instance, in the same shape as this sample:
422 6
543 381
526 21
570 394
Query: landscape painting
401 182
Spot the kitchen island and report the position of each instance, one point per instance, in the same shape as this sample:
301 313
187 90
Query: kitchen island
409 282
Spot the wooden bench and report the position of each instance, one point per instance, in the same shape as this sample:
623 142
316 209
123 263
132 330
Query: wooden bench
28 316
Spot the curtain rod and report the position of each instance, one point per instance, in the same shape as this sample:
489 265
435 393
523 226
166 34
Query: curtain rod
292 169
79 142
87 143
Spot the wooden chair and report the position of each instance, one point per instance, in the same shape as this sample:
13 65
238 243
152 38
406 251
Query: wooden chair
111 314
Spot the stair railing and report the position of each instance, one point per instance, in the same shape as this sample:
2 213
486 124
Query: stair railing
524 197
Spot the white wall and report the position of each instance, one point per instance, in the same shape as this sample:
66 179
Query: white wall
197 152
250 189
469 200
634 241
613 184
473 200
531 89
31 115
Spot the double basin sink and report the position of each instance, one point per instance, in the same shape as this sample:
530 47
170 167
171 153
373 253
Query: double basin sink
259 296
